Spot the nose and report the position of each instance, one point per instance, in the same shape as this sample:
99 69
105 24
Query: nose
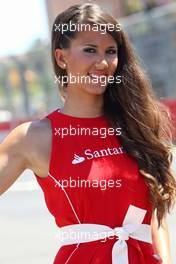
101 64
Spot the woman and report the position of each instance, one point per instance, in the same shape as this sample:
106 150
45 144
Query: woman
124 219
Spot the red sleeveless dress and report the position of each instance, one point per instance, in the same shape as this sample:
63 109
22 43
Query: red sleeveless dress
92 180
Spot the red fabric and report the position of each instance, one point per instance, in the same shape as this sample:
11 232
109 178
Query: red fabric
93 204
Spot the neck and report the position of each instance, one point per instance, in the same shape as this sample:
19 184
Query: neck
83 105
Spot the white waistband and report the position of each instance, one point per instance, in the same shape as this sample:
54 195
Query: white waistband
132 227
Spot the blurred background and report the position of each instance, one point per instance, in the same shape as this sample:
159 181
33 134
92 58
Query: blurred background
28 91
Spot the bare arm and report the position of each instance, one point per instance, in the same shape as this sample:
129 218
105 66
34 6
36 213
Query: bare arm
13 159
161 240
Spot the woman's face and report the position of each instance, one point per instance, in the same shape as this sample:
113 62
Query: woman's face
91 54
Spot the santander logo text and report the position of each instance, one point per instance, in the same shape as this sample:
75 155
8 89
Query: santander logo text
97 154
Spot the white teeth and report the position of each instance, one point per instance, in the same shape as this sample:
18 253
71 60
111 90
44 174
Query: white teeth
96 76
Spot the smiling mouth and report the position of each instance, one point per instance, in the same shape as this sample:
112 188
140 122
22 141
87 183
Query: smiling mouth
97 74
97 77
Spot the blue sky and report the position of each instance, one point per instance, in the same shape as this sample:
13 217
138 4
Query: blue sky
21 22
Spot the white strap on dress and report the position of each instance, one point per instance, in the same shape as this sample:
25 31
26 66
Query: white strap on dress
132 227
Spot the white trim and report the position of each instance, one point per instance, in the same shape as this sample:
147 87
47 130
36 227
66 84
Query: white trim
72 253
58 183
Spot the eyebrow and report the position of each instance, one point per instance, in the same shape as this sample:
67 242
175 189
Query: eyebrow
95 46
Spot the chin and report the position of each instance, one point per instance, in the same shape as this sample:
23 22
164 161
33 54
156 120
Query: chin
97 90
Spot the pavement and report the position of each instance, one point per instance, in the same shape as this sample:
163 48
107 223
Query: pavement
28 233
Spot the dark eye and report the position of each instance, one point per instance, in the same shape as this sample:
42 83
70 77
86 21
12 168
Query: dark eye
112 51
90 50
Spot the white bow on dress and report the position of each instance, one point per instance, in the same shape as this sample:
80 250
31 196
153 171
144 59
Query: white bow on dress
132 227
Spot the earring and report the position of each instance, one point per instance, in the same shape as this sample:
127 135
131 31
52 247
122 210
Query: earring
64 65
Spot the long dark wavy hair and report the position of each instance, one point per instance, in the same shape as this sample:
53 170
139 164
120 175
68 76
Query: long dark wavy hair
131 105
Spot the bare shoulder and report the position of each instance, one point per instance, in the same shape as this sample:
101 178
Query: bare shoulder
38 145
32 142
37 131
26 147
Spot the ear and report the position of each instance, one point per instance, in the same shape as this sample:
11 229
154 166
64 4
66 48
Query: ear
60 58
